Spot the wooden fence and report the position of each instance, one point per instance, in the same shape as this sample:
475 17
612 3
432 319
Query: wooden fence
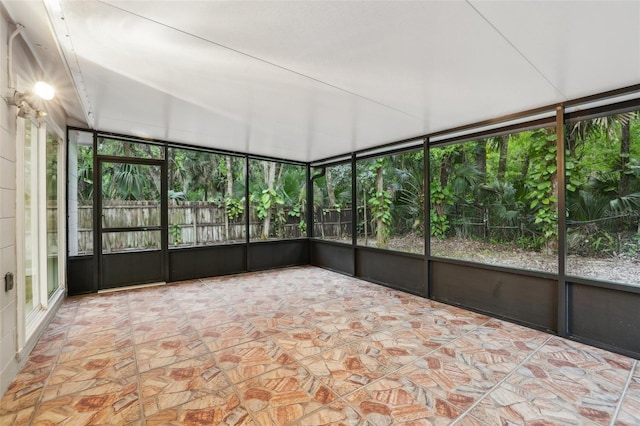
192 223
332 223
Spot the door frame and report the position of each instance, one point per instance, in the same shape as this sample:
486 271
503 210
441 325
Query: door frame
99 229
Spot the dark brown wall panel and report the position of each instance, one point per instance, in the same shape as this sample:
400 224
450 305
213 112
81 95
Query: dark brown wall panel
202 262
525 299
398 270
277 254
334 256
606 317
125 269
80 275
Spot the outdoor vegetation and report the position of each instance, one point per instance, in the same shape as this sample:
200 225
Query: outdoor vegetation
390 202
277 200
492 200
332 213
496 197
206 196
603 197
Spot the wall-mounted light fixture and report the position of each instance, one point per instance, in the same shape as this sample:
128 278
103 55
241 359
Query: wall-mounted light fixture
25 100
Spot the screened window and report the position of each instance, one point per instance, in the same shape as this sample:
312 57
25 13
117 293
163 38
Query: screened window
390 202
494 200
603 198
277 200
80 193
332 210
206 198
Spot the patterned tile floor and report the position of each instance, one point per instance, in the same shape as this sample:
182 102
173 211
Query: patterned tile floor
305 346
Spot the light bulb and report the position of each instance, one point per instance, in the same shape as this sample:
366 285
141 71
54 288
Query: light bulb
44 90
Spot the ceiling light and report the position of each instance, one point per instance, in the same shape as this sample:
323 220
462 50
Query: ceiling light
44 90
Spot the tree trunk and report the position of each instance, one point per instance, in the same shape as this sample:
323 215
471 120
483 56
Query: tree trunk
229 178
502 162
625 149
364 220
330 190
228 195
525 165
270 178
445 171
480 154
552 243
278 207
381 237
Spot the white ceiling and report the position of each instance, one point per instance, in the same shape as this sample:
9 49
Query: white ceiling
308 80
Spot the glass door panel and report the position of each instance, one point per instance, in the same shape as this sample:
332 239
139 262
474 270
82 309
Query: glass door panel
32 300
53 254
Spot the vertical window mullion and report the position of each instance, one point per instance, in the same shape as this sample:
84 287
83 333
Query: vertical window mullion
62 211
41 214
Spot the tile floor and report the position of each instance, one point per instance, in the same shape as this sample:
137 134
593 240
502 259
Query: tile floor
305 346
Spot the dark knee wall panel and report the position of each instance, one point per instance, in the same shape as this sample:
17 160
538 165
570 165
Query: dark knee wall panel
521 298
80 276
605 316
398 270
202 262
277 254
335 256
132 268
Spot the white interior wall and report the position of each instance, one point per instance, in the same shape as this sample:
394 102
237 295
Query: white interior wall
8 306
25 66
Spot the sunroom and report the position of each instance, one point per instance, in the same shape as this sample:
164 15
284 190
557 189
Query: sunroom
477 156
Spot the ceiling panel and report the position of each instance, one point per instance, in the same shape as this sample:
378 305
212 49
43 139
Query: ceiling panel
581 47
238 91
436 61
308 80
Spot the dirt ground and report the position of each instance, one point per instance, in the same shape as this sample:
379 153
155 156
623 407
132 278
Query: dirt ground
621 270
615 269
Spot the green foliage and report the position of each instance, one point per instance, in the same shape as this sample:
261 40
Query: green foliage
176 195
440 197
380 205
175 230
296 212
502 189
541 182
603 205
574 176
234 207
439 225
263 203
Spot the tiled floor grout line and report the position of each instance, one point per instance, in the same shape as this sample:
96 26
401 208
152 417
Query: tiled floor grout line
504 379
614 415
143 419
